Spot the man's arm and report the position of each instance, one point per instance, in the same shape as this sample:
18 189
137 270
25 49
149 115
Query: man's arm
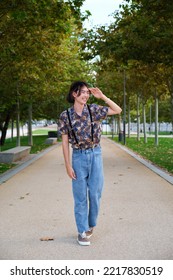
66 153
113 107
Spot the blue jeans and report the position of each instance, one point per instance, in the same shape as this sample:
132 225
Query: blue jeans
88 186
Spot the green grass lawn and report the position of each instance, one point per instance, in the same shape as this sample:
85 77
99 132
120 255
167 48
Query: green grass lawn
162 155
40 131
4 167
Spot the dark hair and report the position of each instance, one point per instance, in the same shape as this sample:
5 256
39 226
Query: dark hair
75 87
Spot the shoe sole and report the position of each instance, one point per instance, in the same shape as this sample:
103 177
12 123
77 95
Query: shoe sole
83 243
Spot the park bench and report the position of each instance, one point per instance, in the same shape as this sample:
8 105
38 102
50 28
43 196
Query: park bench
52 138
51 141
14 154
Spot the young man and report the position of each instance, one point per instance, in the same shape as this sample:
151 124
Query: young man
80 126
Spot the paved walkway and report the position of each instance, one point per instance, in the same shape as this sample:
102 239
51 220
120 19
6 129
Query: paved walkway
135 222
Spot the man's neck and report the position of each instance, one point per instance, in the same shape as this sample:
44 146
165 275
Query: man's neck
78 108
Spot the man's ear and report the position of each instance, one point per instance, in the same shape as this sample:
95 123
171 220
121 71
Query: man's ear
74 94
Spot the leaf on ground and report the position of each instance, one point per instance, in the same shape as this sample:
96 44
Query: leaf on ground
47 238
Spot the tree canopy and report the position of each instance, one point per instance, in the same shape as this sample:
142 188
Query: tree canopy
43 48
139 40
40 55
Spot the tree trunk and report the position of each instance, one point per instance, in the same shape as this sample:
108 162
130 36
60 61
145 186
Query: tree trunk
12 129
4 128
156 119
172 109
129 120
124 110
120 133
18 122
113 126
138 117
30 139
144 124
170 87
150 127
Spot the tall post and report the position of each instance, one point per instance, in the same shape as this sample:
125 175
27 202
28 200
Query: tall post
124 113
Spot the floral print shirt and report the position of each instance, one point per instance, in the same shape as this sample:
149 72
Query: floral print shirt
82 126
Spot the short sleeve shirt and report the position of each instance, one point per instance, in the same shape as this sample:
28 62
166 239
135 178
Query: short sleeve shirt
82 126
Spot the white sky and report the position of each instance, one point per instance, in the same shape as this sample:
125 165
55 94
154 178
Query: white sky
100 10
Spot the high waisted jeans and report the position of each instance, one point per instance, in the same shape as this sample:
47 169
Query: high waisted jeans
87 188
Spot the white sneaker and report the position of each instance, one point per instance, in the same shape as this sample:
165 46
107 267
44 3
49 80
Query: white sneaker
82 239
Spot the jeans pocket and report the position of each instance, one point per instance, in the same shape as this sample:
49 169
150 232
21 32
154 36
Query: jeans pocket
75 157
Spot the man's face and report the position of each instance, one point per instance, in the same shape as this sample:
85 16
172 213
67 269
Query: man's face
82 96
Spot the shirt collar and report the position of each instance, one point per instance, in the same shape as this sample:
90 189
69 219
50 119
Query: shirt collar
72 110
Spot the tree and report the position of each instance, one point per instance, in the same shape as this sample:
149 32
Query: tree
139 38
40 55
